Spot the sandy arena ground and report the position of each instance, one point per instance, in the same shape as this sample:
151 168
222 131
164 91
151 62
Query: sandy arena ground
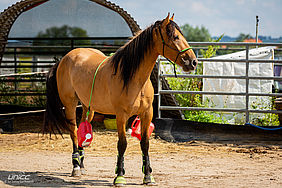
44 162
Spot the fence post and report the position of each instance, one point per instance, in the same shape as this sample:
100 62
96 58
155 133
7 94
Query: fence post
159 87
15 59
15 62
72 44
247 84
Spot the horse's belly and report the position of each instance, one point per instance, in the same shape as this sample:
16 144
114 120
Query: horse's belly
103 105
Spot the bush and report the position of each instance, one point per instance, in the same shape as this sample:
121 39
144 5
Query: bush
31 101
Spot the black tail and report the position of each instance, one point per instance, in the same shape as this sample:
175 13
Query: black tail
55 119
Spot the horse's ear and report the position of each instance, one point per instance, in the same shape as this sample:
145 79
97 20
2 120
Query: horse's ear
172 17
166 20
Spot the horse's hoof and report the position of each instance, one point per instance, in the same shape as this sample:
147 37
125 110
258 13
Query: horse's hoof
83 171
76 172
149 180
119 181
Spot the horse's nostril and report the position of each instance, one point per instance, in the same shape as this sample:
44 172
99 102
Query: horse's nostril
194 63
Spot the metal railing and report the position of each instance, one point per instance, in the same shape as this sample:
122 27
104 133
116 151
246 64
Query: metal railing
41 54
54 47
245 77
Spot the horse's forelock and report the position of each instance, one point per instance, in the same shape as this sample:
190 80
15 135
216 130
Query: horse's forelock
170 29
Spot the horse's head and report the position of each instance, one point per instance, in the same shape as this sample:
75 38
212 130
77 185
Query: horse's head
173 45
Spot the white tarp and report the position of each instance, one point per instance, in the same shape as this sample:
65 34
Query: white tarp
239 85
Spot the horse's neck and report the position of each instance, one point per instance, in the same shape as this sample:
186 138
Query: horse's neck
146 68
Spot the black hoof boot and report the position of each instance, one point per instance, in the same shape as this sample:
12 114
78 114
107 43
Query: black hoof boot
81 156
76 162
147 170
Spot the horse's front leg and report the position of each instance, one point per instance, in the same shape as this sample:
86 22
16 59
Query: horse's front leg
146 119
122 144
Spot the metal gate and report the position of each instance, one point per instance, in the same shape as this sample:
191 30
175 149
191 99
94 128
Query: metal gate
246 77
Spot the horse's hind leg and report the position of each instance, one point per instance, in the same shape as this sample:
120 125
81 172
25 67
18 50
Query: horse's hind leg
122 144
81 149
146 119
70 104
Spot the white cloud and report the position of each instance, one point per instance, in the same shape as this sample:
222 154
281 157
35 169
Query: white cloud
243 2
201 9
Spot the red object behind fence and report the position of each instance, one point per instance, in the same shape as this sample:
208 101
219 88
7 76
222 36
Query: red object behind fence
136 128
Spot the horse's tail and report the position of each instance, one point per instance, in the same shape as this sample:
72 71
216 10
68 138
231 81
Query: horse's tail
55 119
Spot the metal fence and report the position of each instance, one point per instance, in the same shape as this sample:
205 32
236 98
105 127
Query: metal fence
246 77
14 50
54 47
37 55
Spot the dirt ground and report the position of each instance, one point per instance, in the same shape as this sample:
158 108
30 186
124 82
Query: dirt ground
29 159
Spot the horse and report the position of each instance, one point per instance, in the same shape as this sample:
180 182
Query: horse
122 88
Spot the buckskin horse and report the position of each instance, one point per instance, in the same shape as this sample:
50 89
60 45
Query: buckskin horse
122 88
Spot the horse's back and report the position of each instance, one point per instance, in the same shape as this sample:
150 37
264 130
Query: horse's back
82 55
78 62
75 72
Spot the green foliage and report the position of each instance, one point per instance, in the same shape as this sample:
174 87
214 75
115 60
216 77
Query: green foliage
267 119
64 32
4 88
211 51
8 87
193 100
206 117
197 34
186 84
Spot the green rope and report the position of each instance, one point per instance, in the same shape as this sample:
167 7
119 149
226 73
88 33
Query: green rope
93 86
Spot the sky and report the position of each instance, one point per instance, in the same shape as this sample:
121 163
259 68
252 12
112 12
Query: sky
229 17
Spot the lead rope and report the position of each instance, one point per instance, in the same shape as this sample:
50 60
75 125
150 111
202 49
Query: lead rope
87 114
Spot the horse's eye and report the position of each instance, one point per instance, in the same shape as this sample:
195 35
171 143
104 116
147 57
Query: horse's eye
176 37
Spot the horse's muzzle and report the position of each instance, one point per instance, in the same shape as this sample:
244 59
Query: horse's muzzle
189 65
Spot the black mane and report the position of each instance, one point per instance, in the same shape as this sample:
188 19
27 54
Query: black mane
128 58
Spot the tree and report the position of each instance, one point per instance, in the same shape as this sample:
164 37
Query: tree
197 34
64 31
242 37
